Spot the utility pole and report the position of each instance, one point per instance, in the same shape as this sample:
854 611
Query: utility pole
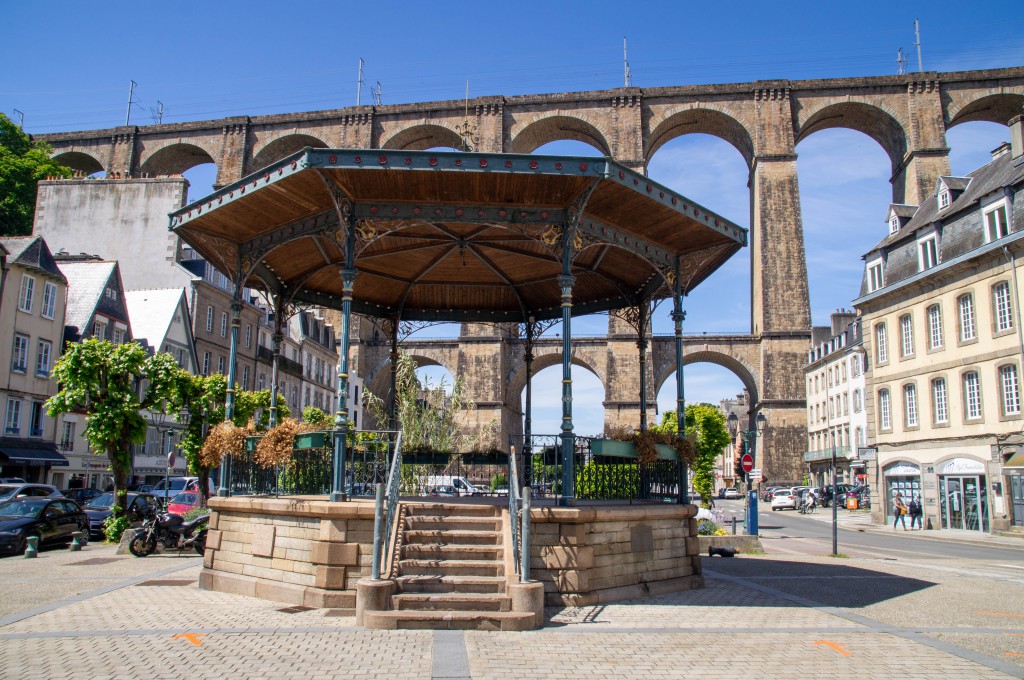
359 83
625 64
21 119
376 95
900 61
159 113
131 94
917 37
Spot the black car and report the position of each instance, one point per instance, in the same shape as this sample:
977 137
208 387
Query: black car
81 496
140 506
53 520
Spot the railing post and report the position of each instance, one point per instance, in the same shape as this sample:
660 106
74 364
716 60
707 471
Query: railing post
524 539
378 530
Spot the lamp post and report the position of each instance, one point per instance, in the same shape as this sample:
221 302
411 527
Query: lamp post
750 437
159 419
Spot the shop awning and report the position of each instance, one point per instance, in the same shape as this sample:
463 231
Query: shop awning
1015 461
39 457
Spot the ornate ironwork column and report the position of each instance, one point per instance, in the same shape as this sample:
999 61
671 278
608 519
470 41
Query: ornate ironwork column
393 402
565 282
678 315
229 401
339 490
276 339
528 421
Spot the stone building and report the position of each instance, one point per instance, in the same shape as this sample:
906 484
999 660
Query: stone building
941 313
33 299
836 417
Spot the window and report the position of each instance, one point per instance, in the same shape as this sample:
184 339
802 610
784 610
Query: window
940 401
875 278
927 252
906 336
880 340
43 358
223 324
13 420
49 300
110 293
1010 388
855 366
996 226
99 330
934 327
220 364
884 414
943 199
248 336
965 308
261 381
67 438
972 395
245 378
894 224
19 357
118 336
209 319
37 420
846 404
206 363
1001 299
910 405
28 286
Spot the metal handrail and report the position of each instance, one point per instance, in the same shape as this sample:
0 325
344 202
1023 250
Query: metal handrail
394 485
513 506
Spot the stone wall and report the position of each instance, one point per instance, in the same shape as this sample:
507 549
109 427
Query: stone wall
300 551
591 555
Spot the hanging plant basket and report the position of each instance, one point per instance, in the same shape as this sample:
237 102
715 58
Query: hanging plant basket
310 440
620 449
488 458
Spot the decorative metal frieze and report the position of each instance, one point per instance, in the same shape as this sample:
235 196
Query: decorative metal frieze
382 212
221 250
324 222
470 162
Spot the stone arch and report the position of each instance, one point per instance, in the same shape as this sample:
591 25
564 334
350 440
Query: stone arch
174 159
992 108
872 120
542 360
283 146
706 121
378 380
736 365
80 162
421 137
555 128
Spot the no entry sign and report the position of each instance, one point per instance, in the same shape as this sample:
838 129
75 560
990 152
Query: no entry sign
747 462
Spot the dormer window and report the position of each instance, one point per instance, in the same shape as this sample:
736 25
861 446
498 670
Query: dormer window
894 224
875 277
996 226
943 198
927 252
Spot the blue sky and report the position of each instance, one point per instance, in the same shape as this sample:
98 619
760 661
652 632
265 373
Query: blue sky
67 66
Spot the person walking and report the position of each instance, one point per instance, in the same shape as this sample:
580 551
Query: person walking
915 511
899 511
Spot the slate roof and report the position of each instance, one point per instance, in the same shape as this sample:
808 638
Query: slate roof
86 282
152 312
902 209
31 252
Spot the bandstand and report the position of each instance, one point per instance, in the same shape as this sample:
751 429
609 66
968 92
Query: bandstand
460 237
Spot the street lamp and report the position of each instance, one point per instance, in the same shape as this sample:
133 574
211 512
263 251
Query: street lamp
160 423
750 437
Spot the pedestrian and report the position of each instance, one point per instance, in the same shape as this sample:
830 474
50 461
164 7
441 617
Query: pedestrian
899 511
915 511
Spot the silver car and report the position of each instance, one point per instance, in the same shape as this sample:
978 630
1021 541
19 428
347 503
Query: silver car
9 491
784 498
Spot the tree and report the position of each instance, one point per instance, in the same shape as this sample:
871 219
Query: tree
22 164
112 383
706 425
317 418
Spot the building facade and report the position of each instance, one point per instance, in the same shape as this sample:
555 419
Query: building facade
941 314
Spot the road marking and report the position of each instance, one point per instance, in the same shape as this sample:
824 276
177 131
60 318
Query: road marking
191 637
1013 654
1009 566
834 646
1016 616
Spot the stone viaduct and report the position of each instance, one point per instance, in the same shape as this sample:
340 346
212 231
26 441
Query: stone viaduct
908 115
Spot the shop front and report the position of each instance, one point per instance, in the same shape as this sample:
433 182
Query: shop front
904 478
963 495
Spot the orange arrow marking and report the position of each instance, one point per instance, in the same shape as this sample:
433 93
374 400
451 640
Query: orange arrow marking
1013 654
1016 616
834 646
191 637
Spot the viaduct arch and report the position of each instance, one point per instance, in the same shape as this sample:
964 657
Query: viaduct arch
907 115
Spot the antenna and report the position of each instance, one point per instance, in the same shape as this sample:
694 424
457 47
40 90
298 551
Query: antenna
900 61
627 74
21 119
158 112
376 95
359 83
131 93
465 130
917 36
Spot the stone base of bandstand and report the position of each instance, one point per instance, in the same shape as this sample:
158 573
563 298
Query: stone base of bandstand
310 552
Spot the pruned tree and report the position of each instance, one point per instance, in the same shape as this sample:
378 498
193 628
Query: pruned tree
22 164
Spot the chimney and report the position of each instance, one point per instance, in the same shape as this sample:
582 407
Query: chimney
1000 150
1017 136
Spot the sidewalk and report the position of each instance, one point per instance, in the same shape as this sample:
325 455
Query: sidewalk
860 520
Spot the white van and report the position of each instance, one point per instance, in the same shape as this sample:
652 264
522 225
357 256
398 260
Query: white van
461 485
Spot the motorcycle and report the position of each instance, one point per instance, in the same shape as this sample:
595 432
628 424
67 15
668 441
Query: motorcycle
172 531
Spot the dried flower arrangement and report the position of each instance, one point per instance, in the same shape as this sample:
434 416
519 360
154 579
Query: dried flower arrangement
225 439
646 442
276 446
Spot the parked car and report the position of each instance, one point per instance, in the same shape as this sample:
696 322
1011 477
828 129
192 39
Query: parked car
767 494
11 480
861 492
732 492
176 485
444 490
183 502
9 491
140 506
141 488
53 520
783 498
81 496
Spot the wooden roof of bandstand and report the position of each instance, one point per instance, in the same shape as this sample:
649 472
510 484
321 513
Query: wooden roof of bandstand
453 236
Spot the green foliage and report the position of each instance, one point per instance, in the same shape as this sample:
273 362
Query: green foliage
112 383
498 480
707 527
318 418
600 481
115 525
23 163
195 512
705 425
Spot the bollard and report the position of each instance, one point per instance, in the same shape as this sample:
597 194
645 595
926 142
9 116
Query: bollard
378 531
734 525
76 542
32 546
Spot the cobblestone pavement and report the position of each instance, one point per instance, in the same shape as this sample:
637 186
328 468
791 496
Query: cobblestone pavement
765 616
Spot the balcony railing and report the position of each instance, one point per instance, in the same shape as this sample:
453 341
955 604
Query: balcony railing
842 453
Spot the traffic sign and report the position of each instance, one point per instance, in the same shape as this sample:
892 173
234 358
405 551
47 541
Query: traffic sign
747 462
170 459
755 475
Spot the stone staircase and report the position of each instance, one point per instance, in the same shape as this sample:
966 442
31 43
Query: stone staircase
450 572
